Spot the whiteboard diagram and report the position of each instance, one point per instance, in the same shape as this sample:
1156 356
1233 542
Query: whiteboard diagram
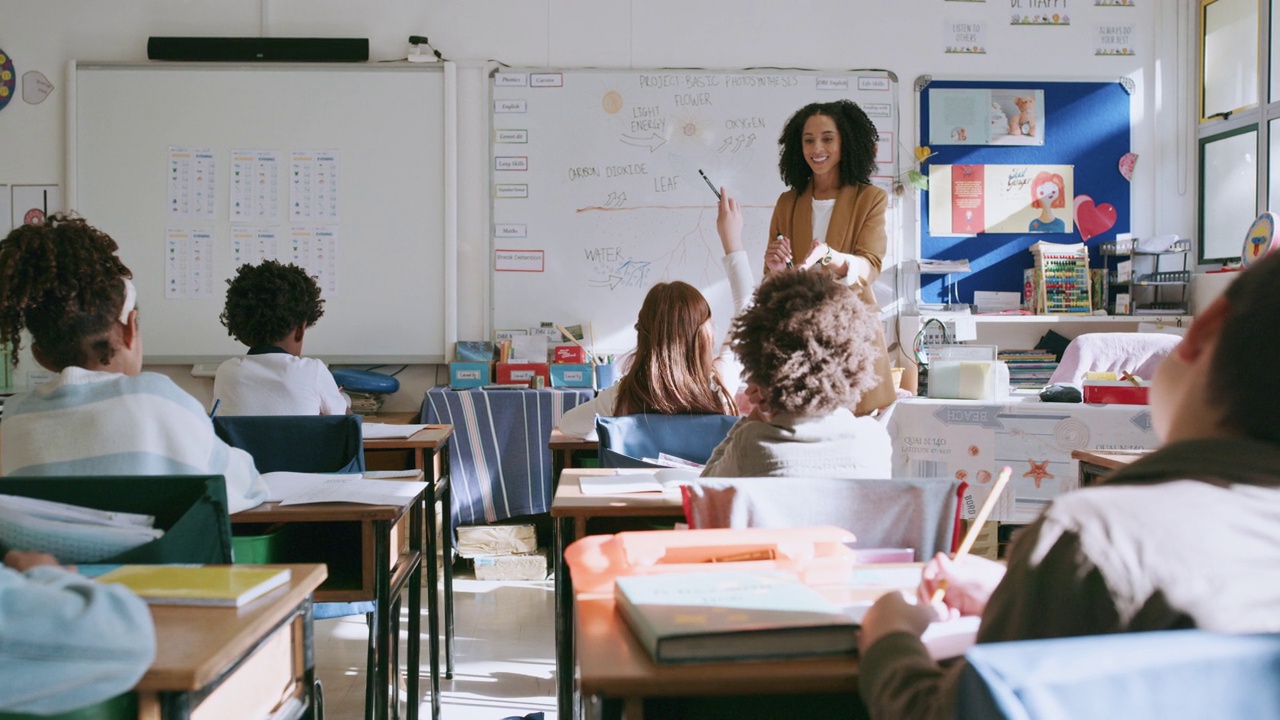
596 188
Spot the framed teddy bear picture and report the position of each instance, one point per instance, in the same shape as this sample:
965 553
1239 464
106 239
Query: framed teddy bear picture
986 116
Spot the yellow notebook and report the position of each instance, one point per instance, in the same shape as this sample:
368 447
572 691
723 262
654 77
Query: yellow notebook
218 585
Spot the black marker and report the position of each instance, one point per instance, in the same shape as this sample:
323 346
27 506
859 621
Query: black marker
789 265
713 187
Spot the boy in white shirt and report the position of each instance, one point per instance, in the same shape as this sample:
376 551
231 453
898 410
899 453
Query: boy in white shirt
269 308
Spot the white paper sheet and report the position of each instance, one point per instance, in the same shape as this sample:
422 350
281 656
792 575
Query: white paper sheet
636 480
255 186
193 183
188 270
313 191
358 490
383 431
281 485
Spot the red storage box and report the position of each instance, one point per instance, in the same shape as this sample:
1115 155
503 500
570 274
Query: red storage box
523 373
570 354
1118 392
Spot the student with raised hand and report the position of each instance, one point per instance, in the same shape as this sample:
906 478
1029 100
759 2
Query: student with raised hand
67 642
1187 536
101 415
269 308
807 348
677 366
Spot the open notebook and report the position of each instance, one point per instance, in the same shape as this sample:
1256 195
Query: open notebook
635 480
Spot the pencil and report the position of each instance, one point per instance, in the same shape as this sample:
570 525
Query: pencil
972 536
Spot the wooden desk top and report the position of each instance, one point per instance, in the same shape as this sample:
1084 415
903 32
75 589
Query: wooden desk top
560 441
195 645
1110 459
432 436
570 502
613 663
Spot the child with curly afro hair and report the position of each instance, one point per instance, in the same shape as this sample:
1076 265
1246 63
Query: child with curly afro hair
101 415
807 348
269 308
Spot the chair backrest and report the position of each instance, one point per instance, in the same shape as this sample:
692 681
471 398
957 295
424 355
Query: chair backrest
1138 353
191 509
296 443
1136 676
917 513
627 439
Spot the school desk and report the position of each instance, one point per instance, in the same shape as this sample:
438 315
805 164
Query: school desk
361 544
430 450
972 439
570 510
1097 464
252 661
500 465
563 447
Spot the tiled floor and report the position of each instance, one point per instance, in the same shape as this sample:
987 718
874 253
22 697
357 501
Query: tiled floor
504 655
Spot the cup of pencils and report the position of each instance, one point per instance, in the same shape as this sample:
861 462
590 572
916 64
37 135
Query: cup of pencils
607 374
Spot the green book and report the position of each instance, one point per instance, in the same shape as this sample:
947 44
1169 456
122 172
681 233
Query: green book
732 615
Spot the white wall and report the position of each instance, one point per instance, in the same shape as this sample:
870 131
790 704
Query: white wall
904 36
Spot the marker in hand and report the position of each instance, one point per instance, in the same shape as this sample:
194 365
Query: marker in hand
709 183
790 265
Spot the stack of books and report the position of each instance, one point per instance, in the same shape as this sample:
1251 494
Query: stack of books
1029 368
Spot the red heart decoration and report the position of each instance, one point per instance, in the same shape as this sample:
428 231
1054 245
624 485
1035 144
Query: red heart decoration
1093 220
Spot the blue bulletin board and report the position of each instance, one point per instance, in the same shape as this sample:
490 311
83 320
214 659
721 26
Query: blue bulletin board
1084 125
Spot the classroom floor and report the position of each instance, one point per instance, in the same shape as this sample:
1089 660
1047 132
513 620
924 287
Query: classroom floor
504 661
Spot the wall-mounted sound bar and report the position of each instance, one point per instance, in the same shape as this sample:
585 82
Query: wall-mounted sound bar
217 49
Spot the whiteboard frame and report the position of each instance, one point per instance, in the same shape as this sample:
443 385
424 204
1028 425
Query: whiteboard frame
435 349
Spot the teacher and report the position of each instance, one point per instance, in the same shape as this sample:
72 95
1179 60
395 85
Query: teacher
832 219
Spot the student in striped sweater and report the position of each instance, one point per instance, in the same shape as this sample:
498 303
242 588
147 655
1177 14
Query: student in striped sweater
101 415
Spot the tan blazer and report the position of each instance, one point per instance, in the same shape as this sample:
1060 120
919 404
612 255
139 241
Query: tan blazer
857 228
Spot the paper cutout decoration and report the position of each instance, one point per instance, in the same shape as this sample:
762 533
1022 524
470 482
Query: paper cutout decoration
8 80
1093 220
35 87
1127 161
1260 240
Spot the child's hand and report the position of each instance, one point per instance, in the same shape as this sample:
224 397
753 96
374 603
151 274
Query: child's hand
23 560
729 223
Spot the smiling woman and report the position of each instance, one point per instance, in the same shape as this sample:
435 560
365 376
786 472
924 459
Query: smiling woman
832 217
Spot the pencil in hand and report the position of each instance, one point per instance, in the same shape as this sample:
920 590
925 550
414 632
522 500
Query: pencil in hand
972 536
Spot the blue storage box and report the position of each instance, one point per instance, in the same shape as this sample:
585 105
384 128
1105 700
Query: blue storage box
572 375
470 374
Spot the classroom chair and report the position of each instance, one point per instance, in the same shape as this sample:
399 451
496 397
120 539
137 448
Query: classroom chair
191 509
297 443
918 513
120 707
1186 674
627 439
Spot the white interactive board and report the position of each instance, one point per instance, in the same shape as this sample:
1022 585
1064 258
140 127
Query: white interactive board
596 191
193 168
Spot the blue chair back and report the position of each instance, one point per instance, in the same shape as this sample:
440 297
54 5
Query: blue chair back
191 509
627 439
296 443
1185 674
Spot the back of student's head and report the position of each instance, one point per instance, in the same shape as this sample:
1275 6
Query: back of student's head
807 342
62 281
267 301
672 370
1243 375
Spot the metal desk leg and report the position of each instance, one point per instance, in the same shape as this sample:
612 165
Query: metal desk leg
433 604
565 696
381 619
415 620
446 498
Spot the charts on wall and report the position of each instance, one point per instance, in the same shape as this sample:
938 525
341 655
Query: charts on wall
597 194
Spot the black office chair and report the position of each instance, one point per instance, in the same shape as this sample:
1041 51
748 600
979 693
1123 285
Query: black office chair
627 439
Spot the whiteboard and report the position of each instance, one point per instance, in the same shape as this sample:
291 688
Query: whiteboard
596 192
384 290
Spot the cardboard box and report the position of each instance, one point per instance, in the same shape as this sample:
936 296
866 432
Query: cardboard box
572 375
482 540
470 374
570 353
523 373
1119 392
512 567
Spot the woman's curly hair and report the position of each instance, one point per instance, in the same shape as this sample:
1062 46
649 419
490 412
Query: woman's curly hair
266 302
807 342
62 281
858 137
